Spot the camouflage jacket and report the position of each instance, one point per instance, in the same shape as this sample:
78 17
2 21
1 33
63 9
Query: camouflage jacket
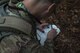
6 11
11 42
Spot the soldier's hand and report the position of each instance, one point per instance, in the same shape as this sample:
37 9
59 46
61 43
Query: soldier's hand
51 35
42 26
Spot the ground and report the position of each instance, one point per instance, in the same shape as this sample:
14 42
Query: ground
67 17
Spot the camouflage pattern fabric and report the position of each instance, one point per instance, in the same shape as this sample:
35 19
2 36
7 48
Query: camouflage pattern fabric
22 44
14 43
9 44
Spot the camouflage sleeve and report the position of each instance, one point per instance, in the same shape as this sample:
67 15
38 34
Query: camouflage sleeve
9 44
17 44
22 44
34 47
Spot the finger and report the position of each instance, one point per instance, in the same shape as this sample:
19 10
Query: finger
51 7
40 29
44 25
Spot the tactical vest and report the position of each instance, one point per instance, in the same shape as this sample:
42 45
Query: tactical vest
16 24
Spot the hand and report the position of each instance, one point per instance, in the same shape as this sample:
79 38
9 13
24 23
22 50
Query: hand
51 35
42 26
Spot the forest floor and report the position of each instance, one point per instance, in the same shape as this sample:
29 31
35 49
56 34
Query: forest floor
68 19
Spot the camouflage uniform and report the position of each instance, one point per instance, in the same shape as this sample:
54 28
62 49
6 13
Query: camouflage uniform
19 43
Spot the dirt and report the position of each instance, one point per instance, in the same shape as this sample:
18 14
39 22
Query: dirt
67 17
